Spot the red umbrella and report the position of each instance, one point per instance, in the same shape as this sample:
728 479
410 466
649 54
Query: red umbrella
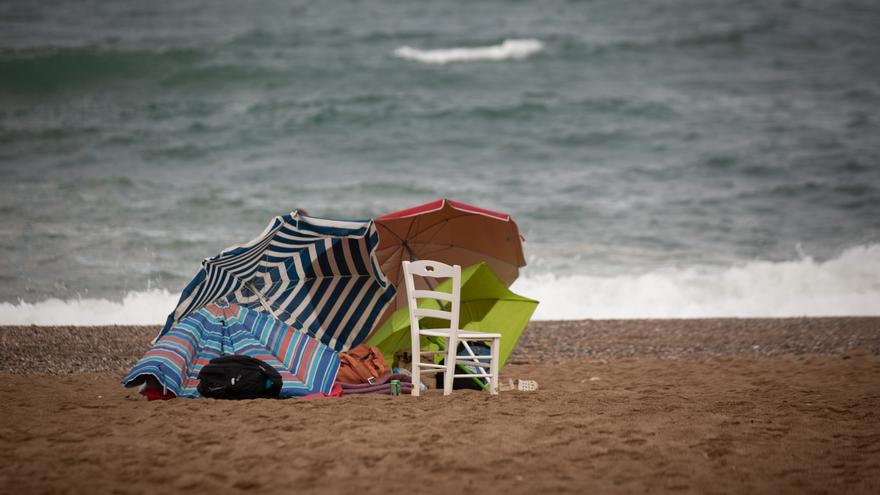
451 232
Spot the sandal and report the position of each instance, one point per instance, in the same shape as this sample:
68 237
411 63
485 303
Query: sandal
526 385
519 385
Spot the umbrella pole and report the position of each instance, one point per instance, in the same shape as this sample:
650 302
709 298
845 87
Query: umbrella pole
263 302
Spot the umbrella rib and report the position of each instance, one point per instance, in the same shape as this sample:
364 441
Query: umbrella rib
436 232
428 241
409 235
411 228
263 301
394 233
447 219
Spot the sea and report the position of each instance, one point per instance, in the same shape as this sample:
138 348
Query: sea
663 159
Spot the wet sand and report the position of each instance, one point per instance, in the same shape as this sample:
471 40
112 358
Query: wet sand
702 406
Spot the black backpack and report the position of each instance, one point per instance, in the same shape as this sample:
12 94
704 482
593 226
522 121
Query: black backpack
238 377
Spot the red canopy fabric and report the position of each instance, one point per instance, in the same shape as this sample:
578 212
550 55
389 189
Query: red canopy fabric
451 232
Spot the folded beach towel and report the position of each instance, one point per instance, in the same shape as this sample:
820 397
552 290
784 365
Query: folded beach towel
382 385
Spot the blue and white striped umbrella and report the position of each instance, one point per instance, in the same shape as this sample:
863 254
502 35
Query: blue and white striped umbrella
313 274
306 366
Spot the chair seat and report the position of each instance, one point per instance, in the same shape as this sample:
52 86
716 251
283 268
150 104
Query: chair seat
462 334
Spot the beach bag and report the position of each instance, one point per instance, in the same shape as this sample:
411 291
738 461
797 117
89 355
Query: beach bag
363 364
239 377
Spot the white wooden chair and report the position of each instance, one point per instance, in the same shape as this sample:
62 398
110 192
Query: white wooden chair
452 335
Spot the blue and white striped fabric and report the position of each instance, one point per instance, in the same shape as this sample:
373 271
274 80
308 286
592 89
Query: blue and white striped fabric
306 366
314 274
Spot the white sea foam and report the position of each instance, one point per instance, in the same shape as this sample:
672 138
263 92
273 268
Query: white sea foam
846 285
136 308
509 49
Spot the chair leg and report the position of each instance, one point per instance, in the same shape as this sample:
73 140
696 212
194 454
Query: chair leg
416 373
496 351
449 376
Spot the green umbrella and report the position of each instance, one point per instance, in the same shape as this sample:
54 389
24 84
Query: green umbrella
487 305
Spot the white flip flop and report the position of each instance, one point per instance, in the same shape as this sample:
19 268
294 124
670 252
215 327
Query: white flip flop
518 385
526 385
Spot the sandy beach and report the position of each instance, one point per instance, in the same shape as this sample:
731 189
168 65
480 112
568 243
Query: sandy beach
678 198
625 406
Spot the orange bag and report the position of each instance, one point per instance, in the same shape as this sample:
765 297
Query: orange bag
363 364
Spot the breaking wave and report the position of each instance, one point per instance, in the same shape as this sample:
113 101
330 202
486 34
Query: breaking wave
136 308
509 49
848 285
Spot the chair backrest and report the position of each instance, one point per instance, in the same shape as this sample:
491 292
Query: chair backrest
428 270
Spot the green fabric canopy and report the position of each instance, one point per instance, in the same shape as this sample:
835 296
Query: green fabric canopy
487 305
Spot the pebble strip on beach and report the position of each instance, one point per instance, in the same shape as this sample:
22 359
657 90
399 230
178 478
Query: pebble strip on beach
69 349
697 338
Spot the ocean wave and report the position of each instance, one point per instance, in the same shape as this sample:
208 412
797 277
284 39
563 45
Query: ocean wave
509 49
136 308
848 285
